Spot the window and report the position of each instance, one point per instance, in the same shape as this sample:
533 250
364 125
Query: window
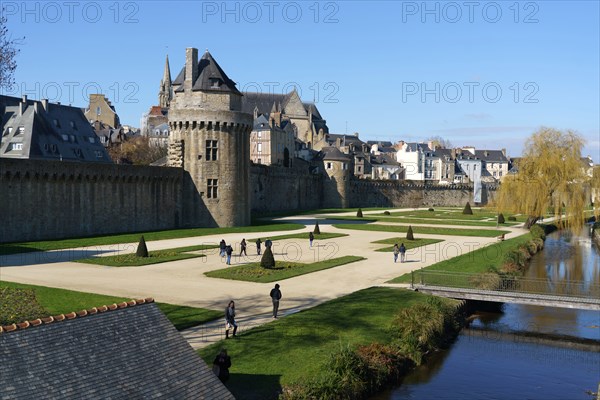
73 125
211 151
98 111
214 83
20 130
344 166
16 146
359 168
500 173
65 137
212 188
259 134
98 154
92 139
56 123
259 147
258 161
328 166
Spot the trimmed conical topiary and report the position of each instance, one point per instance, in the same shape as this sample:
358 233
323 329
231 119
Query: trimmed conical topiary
359 213
500 218
267 260
317 231
467 209
142 250
409 234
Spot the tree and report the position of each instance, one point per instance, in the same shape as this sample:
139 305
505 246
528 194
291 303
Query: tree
596 191
467 210
438 141
359 213
142 250
501 218
8 55
550 179
317 231
409 233
137 151
267 260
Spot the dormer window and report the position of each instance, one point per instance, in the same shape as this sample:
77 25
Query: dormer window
214 82
73 125
56 123
20 130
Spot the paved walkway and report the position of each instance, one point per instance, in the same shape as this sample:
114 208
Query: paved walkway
183 282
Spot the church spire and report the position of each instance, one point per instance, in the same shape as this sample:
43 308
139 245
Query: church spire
166 89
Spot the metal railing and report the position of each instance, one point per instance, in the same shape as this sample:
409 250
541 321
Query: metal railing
497 283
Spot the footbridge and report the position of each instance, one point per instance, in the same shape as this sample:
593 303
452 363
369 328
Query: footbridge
520 290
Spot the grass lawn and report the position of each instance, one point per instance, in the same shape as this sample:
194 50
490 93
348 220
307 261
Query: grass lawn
297 347
478 261
409 244
253 272
431 220
131 260
62 301
13 248
423 229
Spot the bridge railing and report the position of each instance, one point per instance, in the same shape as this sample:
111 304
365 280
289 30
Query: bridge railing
495 282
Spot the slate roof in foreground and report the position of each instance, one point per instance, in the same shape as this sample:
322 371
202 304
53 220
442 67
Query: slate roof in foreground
124 351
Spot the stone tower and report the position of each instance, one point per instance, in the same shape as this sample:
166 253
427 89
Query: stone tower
337 178
210 139
165 94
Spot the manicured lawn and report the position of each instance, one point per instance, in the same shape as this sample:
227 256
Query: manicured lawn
409 244
62 301
253 272
131 260
296 348
478 261
423 229
430 221
13 248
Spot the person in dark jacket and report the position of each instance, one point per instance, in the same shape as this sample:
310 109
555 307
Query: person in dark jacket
222 363
222 247
229 252
230 319
275 297
402 252
243 247
258 243
311 237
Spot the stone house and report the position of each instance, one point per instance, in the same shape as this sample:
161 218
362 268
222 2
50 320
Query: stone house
100 109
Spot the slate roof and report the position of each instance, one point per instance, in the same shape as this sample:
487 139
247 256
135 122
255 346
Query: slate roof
346 139
208 70
264 103
334 154
57 132
124 351
491 156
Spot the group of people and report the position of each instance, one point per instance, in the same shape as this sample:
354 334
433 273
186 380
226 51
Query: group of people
226 250
399 250
222 361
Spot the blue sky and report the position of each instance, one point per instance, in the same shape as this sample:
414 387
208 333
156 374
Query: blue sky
486 74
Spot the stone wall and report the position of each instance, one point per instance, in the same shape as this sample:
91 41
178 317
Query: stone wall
275 188
52 199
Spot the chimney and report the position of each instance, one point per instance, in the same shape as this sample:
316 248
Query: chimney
504 152
24 98
45 104
191 68
355 134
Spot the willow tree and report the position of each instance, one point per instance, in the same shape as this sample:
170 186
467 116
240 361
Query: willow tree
596 191
550 178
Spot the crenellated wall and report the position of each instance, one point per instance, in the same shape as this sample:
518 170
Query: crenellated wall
51 199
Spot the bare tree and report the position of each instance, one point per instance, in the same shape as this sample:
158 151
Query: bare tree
439 141
8 55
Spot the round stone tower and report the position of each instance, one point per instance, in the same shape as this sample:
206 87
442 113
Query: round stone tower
337 178
210 139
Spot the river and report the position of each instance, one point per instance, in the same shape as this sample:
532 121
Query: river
524 352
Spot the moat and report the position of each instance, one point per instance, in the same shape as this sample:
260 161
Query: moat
524 352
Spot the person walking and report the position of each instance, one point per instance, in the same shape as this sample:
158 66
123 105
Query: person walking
222 247
311 237
402 252
221 365
258 243
228 252
230 319
243 247
396 252
275 297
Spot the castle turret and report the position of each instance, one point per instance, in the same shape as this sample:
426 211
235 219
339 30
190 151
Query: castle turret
165 94
210 138
337 178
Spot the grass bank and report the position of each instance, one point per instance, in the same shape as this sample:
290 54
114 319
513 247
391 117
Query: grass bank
409 244
61 301
424 229
24 247
297 349
253 272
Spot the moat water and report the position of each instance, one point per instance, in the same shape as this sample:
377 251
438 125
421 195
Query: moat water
524 352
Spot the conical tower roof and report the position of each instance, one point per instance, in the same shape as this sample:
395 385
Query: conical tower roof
211 77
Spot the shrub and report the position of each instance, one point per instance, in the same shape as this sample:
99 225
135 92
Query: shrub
488 281
501 218
467 210
409 233
142 250
359 213
515 258
386 213
537 232
539 243
317 231
512 218
384 364
532 247
523 252
430 209
19 305
267 260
